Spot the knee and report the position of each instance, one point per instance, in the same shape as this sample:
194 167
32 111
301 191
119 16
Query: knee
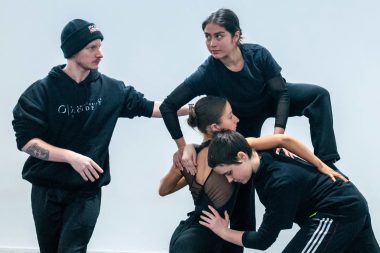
323 92
322 96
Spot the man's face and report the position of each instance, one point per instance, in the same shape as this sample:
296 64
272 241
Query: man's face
90 56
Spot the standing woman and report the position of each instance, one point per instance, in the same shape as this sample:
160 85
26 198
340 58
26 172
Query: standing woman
249 77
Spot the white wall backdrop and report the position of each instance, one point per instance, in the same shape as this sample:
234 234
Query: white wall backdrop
154 45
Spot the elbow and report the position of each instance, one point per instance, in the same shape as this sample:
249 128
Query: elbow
27 145
162 190
162 193
164 107
168 107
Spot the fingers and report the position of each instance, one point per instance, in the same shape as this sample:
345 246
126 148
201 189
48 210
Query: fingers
226 216
195 159
204 223
334 174
177 159
192 170
332 177
96 166
207 219
213 210
189 166
207 214
290 154
89 175
88 169
340 176
83 175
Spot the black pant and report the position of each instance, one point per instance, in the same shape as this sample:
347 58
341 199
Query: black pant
324 235
192 237
64 220
307 100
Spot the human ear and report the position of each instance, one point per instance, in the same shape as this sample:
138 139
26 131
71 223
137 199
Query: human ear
214 127
242 156
236 36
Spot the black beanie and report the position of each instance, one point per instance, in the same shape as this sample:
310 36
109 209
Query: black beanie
76 35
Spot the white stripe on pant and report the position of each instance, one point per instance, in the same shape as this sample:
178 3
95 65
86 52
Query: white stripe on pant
319 234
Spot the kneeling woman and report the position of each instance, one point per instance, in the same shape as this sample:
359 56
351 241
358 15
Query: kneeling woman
209 115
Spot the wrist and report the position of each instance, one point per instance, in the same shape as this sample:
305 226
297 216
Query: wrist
223 233
69 156
181 143
279 130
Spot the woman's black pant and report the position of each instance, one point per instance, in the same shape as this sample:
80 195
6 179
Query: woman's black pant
307 100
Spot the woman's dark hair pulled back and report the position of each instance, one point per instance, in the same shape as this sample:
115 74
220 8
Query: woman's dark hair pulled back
208 110
225 18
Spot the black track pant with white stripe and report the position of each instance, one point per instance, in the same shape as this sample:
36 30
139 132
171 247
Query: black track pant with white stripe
329 236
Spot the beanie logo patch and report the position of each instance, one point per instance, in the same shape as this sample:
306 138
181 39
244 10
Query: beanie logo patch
92 28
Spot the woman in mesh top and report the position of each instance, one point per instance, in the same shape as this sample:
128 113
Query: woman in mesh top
209 115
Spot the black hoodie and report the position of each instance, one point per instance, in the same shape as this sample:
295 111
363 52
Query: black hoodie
78 117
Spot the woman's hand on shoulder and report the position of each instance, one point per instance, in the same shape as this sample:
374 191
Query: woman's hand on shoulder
189 159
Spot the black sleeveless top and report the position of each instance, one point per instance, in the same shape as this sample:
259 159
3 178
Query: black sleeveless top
216 190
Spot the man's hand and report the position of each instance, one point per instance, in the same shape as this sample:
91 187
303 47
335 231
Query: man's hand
86 167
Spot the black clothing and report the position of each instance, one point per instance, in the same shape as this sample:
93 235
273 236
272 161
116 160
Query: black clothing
192 237
64 220
294 191
307 100
256 93
79 117
326 235
259 83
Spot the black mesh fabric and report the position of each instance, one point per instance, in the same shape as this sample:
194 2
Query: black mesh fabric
215 191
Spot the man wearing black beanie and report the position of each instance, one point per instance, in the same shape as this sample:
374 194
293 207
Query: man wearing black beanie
65 123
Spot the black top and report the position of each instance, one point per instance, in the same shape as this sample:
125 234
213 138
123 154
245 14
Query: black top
79 117
259 84
216 190
292 191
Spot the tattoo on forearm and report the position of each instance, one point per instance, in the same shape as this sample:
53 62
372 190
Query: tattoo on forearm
38 152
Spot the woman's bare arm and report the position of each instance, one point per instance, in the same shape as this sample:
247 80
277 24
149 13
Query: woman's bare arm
296 147
171 182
